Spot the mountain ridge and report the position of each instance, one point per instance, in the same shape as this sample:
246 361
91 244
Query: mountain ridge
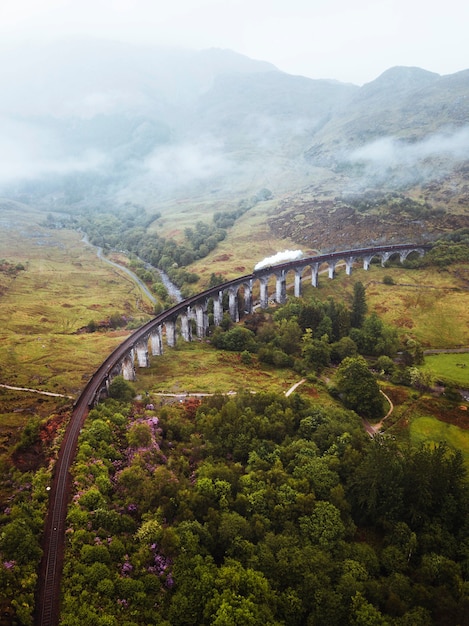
116 121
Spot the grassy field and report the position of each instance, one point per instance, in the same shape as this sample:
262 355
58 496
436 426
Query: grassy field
249 241
429 305
63 287
451 368
197 367
432 430
42 308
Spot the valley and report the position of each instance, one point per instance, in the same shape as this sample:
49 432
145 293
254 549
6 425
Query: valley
202 170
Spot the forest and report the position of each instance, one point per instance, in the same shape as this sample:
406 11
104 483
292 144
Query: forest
261 509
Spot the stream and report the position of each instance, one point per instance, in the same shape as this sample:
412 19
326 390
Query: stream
172 289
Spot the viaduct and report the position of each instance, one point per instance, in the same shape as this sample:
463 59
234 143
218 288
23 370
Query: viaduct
148 339
192 314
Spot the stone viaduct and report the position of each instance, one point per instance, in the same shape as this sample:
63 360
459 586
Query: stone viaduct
191 315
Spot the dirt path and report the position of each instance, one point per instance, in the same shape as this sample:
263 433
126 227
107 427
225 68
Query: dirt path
293 387
184 395
123 268
373 429
44 393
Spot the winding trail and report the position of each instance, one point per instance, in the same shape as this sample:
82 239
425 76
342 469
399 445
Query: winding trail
293 387
195 394
44 393
374 429
123 268
134 277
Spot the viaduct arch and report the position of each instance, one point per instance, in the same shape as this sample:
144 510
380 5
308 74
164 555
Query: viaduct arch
149 340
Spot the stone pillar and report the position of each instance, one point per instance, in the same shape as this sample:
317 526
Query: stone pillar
298 283
156 341
233 300
128 367
170 333
348 265
218 308
366 262
102 393
384 257
264 296
186 330
142 354
201 320
281 288
248 298
332 265
314 274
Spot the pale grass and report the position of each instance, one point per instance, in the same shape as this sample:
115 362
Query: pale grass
63 288
197 367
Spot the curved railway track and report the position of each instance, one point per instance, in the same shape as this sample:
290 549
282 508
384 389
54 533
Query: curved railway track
47 608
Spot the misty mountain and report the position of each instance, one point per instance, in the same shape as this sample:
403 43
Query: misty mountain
409 105
93 123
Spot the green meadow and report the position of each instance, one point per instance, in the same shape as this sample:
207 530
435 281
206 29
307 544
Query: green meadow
429 304
451 368
43 308
433 431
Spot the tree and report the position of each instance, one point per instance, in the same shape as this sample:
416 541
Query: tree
359 306
316 352
288 336
139 435
385 365
120 389
343 348
324 526
365 614
237 339
18 542
359 389
376 338
241 596
412 353
421 379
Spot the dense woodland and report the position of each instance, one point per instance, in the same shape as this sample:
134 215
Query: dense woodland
261 509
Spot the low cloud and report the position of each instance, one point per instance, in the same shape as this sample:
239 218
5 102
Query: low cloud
104 103
185 163
390 151
28 151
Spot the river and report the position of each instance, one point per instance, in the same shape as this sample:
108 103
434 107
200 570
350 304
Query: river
173 290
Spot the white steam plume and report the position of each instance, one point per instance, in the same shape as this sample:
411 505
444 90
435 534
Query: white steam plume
280 257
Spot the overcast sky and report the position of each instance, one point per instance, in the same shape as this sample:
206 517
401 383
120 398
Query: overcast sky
348 40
